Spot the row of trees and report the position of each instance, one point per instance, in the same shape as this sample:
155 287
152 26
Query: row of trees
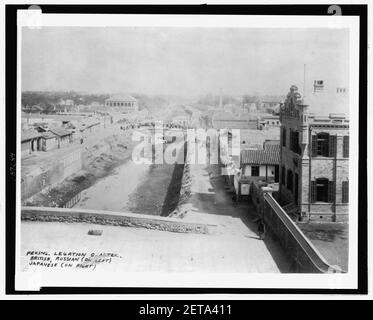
49 101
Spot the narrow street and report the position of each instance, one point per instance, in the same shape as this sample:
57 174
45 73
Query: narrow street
211 203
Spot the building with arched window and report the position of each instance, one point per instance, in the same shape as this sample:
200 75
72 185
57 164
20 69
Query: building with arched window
123 103
314 155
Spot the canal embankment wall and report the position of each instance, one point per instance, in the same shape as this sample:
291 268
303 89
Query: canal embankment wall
180 187
55 172
56 184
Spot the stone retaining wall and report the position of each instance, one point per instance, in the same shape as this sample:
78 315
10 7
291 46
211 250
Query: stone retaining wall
55 173
114 219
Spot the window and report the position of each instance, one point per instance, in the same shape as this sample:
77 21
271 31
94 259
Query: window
322 190
283 172
284 137
255 171
294 140
289 180
320 145
323 144
344 191
346 146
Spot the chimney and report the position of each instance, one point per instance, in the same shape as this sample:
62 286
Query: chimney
318 86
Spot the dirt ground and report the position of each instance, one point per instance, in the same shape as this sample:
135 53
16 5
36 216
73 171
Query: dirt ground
331 239
211 203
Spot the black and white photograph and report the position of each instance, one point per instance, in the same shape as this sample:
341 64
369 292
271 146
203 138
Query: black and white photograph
195 151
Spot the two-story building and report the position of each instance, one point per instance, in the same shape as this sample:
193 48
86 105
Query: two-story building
314 157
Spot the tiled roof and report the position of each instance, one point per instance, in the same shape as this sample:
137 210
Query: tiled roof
29 135
122 97
60 131
260 157
272 147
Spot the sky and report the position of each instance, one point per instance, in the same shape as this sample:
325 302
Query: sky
182 61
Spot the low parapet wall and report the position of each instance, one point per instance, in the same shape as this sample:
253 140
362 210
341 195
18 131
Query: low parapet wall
306 257
44 214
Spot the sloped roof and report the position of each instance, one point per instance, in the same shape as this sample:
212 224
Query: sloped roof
48 135
272 147
29 135
60 131
37 107
260 157
122 97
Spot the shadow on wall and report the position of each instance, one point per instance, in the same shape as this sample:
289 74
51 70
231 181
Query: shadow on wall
281 258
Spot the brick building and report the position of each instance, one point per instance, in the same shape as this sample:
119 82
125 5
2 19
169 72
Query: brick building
314 155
